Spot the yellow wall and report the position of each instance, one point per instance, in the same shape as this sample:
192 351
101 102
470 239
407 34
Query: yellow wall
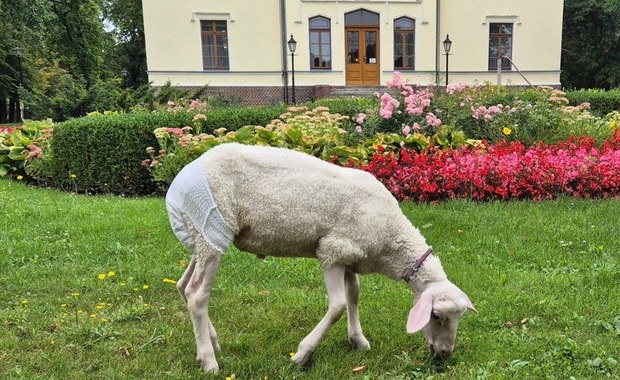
173 41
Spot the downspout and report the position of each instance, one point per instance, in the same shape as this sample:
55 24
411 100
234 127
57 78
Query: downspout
437 42
284 52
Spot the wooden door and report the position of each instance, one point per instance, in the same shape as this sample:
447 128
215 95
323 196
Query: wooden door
362 45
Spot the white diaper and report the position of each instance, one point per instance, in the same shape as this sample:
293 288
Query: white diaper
190 204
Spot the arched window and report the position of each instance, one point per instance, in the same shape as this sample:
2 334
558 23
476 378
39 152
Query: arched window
404 44
320 43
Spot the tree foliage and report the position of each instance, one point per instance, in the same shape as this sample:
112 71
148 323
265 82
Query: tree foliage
78 56
591 44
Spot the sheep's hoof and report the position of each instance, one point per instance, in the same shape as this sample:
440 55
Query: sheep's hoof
360 343
301 358
209 366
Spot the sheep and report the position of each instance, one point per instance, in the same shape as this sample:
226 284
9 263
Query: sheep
283 203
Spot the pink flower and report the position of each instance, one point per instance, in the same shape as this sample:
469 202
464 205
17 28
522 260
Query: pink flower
361 118
407 130
171 103
358 129
432 120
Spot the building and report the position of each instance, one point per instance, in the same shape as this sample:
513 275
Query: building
240 46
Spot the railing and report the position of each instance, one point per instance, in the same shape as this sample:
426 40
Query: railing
499 71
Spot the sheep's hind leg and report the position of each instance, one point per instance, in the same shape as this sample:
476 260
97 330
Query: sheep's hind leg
184 280
334 280
197 293
356 336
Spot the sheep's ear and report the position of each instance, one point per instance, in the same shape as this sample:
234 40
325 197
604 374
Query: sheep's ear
420 314
470 305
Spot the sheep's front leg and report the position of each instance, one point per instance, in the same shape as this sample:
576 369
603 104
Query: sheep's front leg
197 293
334 280
356 336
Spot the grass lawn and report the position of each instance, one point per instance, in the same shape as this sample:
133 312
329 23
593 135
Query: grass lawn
83 295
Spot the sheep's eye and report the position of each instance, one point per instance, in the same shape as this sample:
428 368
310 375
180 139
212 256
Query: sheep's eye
435 316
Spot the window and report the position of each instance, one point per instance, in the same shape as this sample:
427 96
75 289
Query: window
361 17
214 45
320 43
500 45
404 43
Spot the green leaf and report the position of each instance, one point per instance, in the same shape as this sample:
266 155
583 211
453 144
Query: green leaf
294 135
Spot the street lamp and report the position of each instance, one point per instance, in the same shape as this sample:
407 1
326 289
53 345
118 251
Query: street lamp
19 52
447 45
292 45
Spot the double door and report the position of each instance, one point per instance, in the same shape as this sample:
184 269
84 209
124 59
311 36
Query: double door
362 45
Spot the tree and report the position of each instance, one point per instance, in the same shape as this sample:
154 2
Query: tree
591 44
129 52
22 25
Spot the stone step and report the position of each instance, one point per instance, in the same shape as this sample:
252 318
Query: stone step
357 91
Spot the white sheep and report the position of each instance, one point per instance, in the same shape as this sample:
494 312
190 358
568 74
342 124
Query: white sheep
278 202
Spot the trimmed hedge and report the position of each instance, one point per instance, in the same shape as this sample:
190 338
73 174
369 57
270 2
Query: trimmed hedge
233 118
601 102
104 153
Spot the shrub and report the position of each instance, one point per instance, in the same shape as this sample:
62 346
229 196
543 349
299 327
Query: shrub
104 153
529 115
602 102
317 132
20 144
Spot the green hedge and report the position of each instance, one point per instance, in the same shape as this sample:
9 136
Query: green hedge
233 118
104 153
602 102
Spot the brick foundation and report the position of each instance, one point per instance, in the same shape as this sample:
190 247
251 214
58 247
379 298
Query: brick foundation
254 95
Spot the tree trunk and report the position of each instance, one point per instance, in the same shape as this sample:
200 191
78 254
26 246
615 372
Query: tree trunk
3 115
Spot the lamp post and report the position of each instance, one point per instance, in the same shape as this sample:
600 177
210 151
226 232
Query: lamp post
19 52
292 45
447 45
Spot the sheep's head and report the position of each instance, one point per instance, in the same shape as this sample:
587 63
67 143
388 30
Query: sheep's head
437 311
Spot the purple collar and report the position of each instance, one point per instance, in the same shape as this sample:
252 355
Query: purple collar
418 264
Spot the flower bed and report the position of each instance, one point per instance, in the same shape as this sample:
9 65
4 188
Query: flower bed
507 170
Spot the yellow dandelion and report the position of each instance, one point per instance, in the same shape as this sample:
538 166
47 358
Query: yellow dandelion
99 307
25 302
146 305
73 176
111 274
136 289
93 316
65 315
123 284
145 286
507 131
52 342
103 320
63 305
80 311
75 294
292 354
101 276
20 177
169 281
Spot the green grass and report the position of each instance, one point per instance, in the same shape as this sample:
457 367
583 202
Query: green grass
544 277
